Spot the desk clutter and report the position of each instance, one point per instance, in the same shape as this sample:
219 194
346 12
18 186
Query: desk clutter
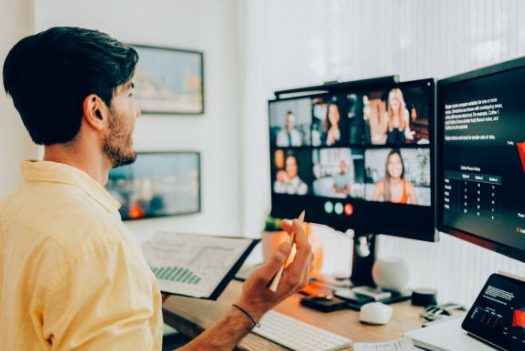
293 326
321 290
496 319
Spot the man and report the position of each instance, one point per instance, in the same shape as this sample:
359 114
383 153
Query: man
70 275
342 180
288 135
288 181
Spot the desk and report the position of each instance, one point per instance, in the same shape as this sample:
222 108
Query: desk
191 316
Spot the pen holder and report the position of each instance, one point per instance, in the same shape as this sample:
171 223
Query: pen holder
271 240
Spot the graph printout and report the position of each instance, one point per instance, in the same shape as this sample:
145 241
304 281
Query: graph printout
193 265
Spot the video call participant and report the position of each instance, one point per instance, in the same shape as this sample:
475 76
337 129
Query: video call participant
287 180
371 134
394 187
356 122
397 119
72 277
391 126
332 131
342 180
288 135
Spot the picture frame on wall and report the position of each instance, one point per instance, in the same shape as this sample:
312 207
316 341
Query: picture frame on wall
169 80
158 184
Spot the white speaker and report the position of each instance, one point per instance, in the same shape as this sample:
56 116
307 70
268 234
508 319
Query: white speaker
391 273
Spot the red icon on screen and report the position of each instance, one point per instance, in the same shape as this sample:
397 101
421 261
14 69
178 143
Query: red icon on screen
349 209
518 319
521 151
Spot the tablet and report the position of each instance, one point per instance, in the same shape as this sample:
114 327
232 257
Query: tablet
195 265
498 314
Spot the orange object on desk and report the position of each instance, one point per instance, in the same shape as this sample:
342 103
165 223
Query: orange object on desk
272 240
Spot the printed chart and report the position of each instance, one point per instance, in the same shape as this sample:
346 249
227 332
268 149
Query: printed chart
190 264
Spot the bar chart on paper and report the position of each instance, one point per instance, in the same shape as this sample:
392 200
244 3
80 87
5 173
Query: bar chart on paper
176 274
193 265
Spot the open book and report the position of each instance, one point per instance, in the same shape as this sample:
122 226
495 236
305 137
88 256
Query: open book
195 265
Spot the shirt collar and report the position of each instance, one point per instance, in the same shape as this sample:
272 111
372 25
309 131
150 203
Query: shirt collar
54 172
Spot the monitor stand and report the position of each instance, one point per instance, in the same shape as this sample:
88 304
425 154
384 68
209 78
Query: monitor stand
364 256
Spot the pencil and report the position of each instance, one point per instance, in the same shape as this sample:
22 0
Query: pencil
275 282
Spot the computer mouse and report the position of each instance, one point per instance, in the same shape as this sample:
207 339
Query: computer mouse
375 313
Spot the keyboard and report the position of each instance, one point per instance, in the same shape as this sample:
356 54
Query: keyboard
297 335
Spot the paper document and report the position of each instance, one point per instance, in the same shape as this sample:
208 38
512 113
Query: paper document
195 265
403 344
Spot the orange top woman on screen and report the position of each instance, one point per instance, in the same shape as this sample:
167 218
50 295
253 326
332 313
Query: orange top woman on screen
394 187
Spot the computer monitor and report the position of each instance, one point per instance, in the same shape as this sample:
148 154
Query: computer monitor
358 155
481 157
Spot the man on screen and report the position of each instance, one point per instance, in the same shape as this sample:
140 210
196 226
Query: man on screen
342 180
71 276
288 135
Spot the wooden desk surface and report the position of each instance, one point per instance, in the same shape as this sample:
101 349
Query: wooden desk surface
191 316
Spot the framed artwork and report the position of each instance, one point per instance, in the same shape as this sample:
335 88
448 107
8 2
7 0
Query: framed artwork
157 184
169 81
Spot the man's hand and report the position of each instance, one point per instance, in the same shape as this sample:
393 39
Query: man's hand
256 297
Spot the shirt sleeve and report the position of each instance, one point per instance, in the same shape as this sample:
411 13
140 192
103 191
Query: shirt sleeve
281 139
105 300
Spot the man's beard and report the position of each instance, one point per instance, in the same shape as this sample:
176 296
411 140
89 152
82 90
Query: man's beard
117 145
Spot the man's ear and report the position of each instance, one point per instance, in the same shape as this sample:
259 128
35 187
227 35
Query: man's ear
95 112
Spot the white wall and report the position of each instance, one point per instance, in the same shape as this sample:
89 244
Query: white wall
204 25
291 43
16 21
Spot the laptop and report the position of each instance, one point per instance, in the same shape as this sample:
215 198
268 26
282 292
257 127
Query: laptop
446 336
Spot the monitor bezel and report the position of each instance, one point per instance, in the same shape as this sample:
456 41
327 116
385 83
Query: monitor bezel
423 230
439 176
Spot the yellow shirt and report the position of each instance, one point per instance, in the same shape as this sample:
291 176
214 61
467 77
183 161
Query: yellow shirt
71 276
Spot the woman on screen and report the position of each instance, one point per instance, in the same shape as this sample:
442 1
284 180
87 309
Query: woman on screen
331 123
394 187
397 118
287 180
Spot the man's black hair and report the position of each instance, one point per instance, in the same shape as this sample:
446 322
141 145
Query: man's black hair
49 74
